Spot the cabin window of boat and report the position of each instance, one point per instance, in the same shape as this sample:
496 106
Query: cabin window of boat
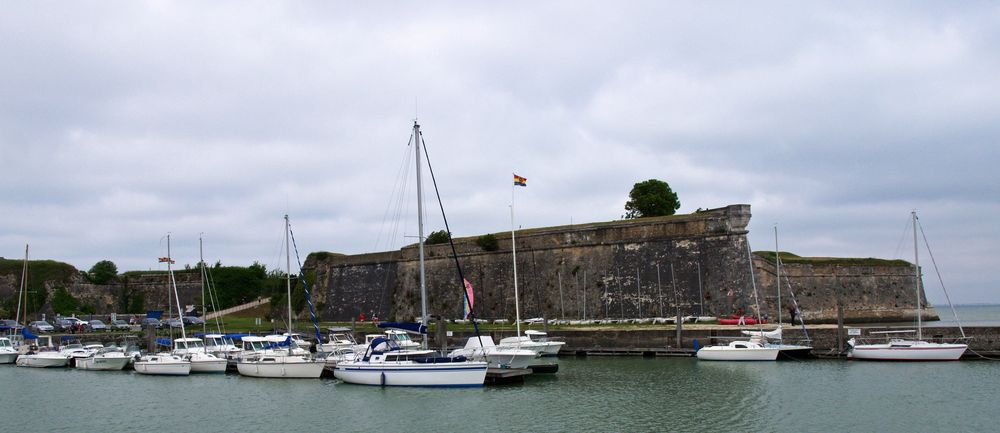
4 343
195 344
740 346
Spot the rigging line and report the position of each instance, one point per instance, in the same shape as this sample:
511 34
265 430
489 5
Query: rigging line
902 237
396 184
940 280
451 241
212 296
795 301
305 286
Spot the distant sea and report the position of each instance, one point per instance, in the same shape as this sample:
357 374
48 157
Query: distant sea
968 314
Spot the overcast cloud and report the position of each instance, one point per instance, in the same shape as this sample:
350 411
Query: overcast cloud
123 121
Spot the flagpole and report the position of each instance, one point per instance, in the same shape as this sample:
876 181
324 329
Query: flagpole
513 249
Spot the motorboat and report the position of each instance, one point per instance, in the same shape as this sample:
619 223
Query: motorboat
164 364
740 350
552 347
8 354
785 351
105 358
338 338
193 350
42 359
222 345
483 348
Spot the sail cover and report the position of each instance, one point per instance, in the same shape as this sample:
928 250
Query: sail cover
27 334
415 328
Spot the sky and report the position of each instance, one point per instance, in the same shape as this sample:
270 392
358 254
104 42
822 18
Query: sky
121 122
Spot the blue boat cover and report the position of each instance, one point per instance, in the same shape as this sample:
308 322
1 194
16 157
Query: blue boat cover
286 343
27 334
154 314
163 341
417 328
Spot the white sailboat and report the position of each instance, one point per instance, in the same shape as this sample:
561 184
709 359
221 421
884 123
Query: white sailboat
282 363
165 363
754 349
901 349
43 357
378 366
785 351
519 342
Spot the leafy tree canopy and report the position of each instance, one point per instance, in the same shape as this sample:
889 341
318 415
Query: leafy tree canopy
103 272
438 237
651 198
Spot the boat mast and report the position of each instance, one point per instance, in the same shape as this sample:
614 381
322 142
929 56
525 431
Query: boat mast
201 261
24 290
916 274
420 234
513 249
288 284
173 282
777 275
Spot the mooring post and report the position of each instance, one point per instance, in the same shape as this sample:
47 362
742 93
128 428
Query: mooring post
840 327
545 324
151 339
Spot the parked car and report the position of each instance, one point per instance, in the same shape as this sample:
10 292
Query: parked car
193 320
120 324
151 322
41 326
9 325
96 325
76 321
62 325
173 323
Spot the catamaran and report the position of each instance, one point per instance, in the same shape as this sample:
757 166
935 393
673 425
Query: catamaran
377 365
902 349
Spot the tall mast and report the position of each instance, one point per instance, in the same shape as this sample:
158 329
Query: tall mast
201 262
420 233
513 249
288 283
916 275
24 290
170 270
777 275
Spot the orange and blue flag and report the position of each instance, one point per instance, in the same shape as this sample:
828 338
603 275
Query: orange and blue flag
520 181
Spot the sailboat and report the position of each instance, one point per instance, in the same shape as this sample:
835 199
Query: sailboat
785 351
901 349
755 349
35 358
512 352
282 363
193 349
166 364
8 354
377 365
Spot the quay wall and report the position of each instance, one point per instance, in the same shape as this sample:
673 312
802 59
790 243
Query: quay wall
619 269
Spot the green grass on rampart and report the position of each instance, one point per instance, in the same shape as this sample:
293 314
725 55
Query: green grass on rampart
790 258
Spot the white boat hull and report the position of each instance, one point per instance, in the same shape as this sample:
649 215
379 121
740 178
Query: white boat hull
216 365
917 351
724 353
286 369
552 348
102 363
176 368
42 360
8 357
409 373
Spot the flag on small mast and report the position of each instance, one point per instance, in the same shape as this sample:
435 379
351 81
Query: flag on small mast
520 181
166 259
470 299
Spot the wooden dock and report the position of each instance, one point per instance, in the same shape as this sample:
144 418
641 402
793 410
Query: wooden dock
648 352
500 376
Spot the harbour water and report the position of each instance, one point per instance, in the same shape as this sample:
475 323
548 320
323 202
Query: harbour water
588 394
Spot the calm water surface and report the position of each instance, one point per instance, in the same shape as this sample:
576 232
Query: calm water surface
594 394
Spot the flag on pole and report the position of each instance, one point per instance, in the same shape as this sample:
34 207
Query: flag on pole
166 259
469 299
520 181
